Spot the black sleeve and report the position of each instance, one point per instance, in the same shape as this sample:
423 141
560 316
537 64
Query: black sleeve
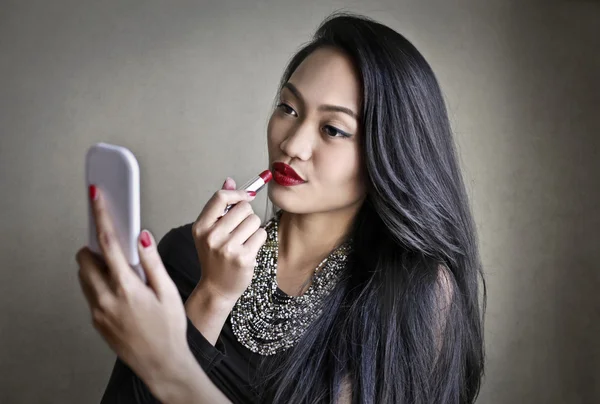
178 253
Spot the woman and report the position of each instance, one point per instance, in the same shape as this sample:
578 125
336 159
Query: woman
362 287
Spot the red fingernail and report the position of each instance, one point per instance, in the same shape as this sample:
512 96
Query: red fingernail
251 193
93 192
145 239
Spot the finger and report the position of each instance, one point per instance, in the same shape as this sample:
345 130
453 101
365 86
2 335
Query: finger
156 273
216 206
229 184
245 229
94 280
112 253
87 290
256 241
235 217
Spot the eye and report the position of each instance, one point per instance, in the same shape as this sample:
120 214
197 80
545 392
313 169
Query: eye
334 132
287 109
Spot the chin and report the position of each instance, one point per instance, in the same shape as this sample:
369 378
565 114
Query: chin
288 201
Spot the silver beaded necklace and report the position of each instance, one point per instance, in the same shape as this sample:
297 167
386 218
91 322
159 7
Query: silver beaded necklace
265 319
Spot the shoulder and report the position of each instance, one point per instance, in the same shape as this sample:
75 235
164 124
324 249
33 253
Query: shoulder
345 396
444 289
443 300
175 241
444 283
178 253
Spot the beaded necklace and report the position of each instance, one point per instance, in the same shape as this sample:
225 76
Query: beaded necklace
265 319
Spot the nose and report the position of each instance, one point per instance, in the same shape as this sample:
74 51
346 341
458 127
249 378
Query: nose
299 142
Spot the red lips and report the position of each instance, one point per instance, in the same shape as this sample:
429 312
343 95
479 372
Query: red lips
285 175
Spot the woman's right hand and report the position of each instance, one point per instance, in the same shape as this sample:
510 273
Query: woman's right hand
227 246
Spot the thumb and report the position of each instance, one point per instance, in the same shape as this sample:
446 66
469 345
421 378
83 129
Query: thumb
229 184
156 274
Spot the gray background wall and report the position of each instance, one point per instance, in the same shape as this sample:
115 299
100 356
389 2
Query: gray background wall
188 86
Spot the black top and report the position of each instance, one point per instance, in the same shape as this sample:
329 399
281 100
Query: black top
229 364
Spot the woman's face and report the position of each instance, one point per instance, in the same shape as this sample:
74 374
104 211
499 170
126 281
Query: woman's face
315 130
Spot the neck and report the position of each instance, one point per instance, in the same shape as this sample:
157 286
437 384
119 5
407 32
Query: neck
307 239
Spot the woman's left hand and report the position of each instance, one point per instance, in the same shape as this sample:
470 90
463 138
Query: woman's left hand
145 325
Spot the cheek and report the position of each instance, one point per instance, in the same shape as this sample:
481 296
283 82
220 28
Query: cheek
274 132
270 140
340 168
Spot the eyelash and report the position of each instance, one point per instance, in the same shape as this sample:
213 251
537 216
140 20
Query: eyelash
336 130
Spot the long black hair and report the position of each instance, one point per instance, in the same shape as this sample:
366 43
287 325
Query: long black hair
405 323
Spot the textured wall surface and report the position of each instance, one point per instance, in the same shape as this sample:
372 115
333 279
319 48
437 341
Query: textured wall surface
188 87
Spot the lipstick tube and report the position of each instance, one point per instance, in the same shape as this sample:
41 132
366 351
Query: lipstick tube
255 184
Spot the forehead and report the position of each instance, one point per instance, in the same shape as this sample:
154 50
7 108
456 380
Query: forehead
328 76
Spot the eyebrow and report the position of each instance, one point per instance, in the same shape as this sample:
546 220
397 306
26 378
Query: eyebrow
326 107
